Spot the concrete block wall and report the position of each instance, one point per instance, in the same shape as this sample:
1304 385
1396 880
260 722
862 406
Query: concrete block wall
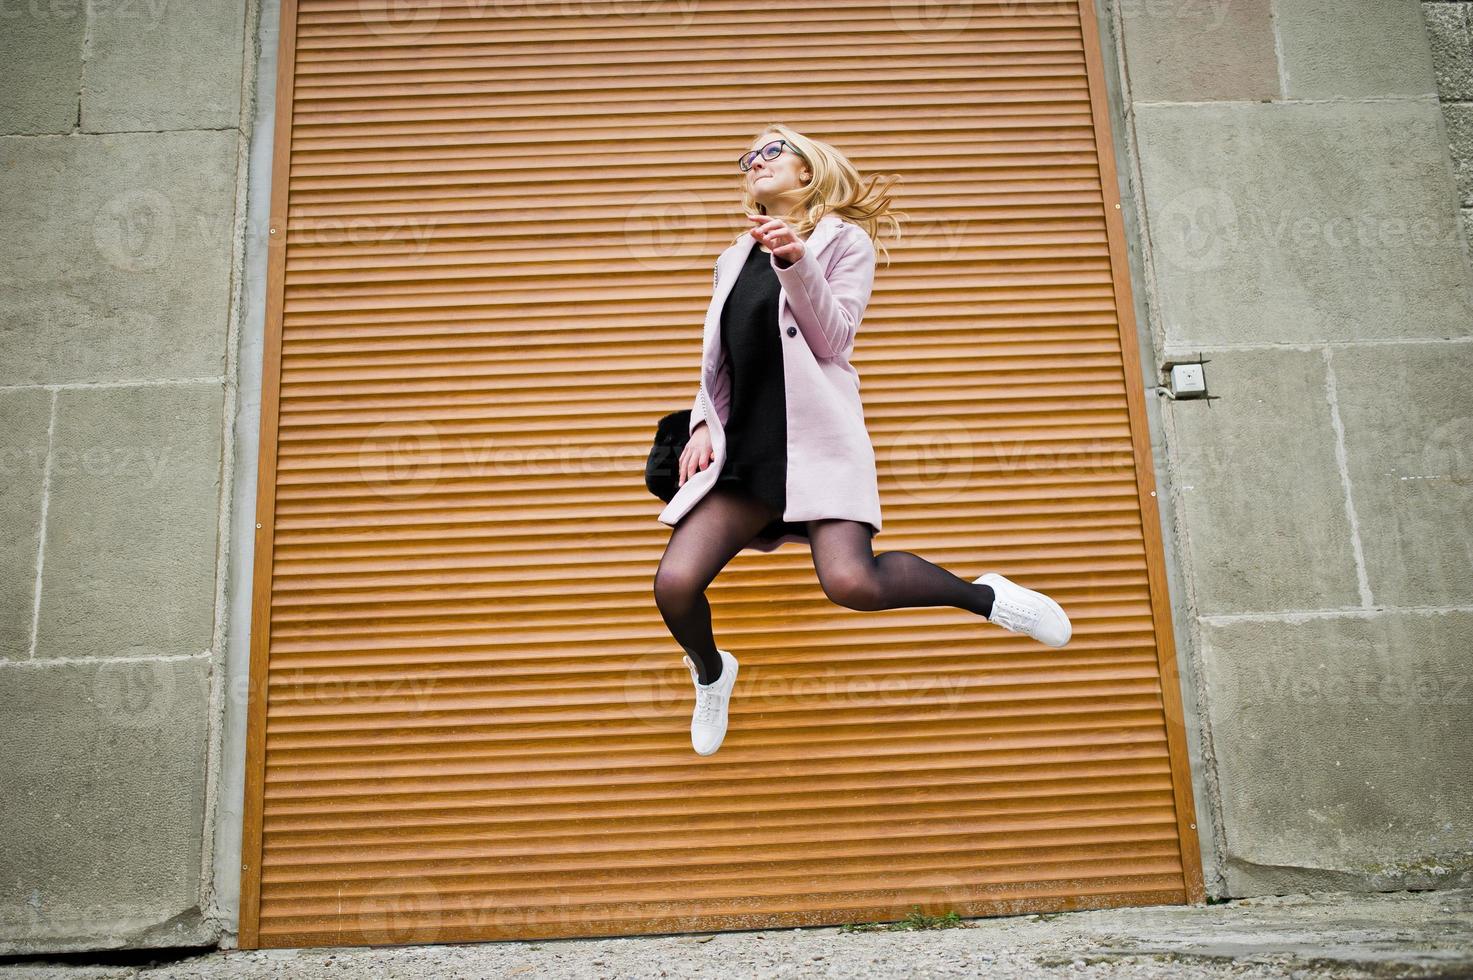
1450 29
121 182
1298 220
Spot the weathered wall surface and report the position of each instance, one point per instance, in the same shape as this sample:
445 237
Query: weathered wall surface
1450 30
121 185
1301 231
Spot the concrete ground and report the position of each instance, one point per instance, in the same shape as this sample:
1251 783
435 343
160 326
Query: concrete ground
1397 934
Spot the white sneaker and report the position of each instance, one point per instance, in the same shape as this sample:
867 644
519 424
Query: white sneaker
1026 611
708 720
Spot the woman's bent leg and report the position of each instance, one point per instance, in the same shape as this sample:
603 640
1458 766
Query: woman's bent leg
853 576
720 524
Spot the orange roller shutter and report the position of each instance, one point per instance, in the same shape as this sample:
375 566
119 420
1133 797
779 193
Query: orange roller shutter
493 230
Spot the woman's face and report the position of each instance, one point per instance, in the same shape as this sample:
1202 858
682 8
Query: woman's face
776 184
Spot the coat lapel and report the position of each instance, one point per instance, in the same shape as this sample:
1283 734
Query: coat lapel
729 265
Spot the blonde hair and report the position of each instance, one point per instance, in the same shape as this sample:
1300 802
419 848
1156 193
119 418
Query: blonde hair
836 188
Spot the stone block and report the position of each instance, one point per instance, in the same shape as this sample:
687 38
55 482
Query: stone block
1450 33
164 66
1408 420
1344 754
1303 223
1266 524
1354 49
104 776
1459 116
27 413
1197 52
40 66
116 255
131 533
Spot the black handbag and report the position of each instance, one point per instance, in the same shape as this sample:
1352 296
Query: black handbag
662 469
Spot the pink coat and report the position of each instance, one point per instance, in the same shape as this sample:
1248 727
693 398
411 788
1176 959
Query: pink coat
831 462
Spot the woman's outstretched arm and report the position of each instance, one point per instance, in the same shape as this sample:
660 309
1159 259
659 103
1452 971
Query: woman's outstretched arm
829 307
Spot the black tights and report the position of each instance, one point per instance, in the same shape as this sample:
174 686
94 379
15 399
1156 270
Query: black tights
724 521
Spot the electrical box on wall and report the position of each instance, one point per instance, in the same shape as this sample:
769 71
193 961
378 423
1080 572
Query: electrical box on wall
1184 379
1187 380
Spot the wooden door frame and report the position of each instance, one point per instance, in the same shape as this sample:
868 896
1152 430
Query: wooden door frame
1145 470
251 840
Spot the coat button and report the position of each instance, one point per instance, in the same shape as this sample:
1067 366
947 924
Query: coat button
792 331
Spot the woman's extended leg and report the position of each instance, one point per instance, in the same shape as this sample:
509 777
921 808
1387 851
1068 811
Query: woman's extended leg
714 531
853 576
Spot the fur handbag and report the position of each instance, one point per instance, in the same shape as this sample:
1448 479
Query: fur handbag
662 469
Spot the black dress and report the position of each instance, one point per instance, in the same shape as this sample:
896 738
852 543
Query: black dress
757 426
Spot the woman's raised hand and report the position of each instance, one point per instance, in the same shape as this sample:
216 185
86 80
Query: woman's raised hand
778 237
697 454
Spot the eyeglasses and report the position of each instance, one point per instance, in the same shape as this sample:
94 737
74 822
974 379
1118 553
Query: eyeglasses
771 151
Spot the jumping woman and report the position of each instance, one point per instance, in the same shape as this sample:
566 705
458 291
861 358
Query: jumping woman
778 448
